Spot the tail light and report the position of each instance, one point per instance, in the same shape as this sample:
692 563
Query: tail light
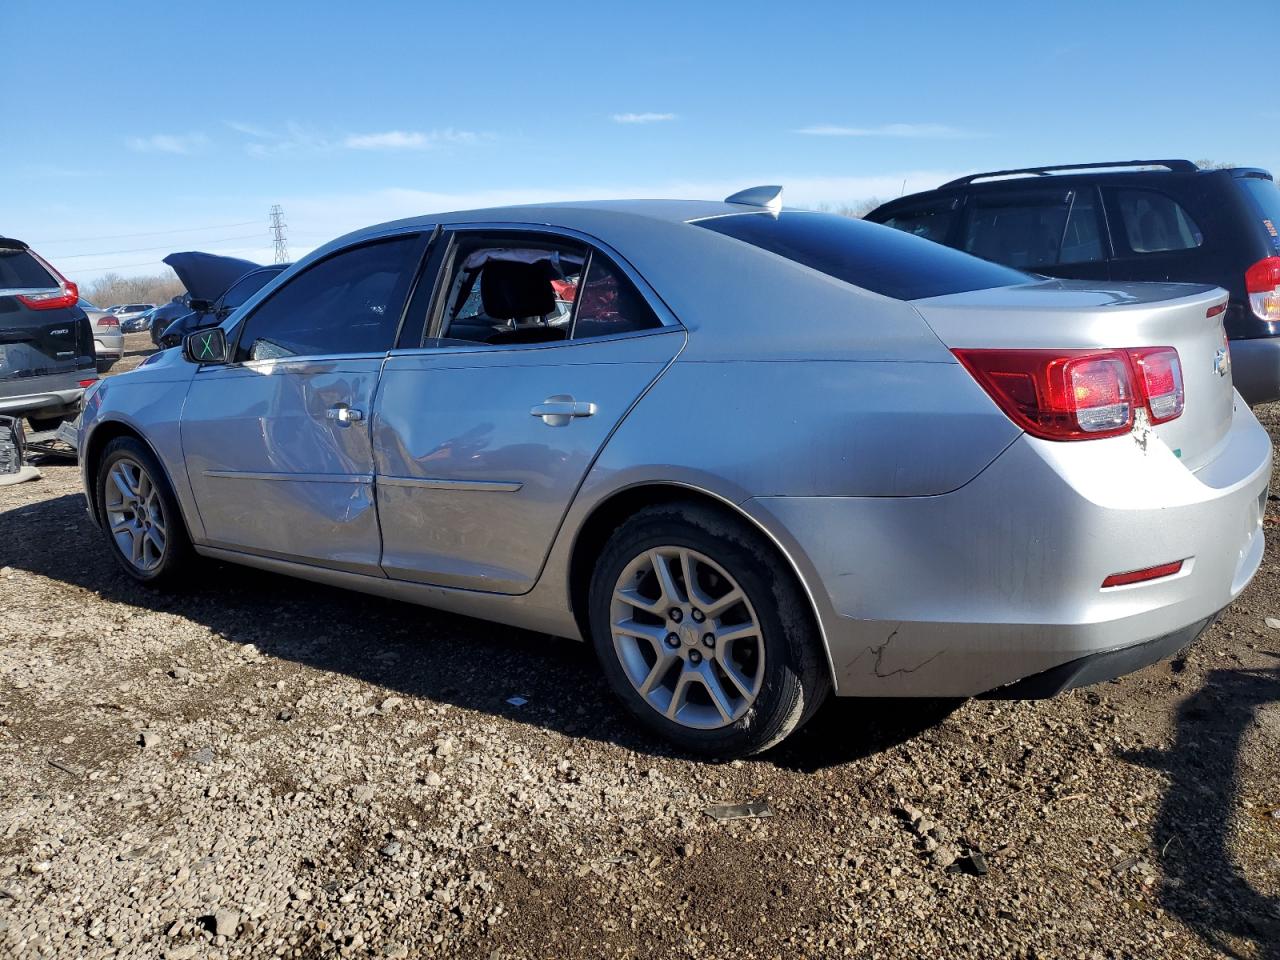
88 383
66 294
1262 280
1160 375
109 321
1079 394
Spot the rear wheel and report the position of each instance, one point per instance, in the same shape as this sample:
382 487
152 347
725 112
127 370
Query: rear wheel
139 514
704 633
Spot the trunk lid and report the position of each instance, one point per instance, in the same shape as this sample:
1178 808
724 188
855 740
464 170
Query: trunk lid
1077 315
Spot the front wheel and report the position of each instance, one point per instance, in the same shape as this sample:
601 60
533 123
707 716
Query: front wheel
139 514
704 633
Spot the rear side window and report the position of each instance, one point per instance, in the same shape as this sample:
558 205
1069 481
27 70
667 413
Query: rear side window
348 303
1156 223
867 255
19 269
609 303
931 220
1266 195
1034 229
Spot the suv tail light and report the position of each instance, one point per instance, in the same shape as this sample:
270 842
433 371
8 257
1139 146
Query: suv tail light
1079 394
66 294
1262 280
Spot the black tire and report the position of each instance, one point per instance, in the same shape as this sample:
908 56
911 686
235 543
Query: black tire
795 677
177 556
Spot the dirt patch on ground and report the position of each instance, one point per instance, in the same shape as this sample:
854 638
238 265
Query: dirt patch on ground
261 767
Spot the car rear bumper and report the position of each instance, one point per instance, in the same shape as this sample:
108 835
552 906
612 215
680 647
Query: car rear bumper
1255 369
1001 580
106 345
51 401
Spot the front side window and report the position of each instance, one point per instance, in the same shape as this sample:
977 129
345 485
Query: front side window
1156 223
348 303
530 289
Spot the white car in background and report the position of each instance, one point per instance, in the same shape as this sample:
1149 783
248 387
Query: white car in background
108 338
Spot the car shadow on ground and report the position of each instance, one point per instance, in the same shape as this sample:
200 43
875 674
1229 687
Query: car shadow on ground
415 651
1204 886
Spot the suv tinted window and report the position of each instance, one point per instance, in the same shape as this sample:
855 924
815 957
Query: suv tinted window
864 254
1034 228
348 303
1266 195
19 269
931 220
1155 222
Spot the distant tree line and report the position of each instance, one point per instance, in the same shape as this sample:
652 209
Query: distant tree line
111 288
855 210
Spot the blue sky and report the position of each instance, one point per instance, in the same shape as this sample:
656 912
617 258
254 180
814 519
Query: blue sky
139 117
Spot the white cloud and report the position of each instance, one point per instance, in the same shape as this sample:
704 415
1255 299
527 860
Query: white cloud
409 140
642 117
930 131
168 143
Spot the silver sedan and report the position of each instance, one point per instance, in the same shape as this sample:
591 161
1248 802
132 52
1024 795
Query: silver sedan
754 455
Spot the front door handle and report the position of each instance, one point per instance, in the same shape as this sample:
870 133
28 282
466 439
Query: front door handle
344 414
557 411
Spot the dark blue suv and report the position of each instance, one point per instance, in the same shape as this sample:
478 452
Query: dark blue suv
1135 220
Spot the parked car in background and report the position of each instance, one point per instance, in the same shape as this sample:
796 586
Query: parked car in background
138 322
163 315
768 453
206 277
131 311
108 339
47 355
1137 220
205 314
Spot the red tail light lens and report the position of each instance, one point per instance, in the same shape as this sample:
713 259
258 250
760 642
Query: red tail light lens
65 294
1262 280
1079 394
1160 377
1057 395
109 320
88 383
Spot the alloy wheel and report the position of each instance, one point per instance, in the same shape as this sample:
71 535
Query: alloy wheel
687 637
135 514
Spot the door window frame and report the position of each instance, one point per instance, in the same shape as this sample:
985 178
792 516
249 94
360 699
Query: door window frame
428 301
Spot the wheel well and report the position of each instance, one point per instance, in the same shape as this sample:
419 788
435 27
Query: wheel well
613 512
92 453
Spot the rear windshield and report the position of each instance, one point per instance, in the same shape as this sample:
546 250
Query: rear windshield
20 269
867 255
1266 195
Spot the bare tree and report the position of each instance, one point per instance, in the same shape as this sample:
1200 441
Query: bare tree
854 210
111 288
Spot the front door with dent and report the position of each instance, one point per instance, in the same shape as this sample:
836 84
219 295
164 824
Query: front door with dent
277 442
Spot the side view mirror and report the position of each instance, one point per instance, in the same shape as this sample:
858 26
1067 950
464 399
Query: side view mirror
200 306
205 346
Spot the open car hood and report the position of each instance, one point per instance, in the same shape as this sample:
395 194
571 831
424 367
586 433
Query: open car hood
208 275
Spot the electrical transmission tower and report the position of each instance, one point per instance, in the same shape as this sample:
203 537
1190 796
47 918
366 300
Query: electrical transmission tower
278 228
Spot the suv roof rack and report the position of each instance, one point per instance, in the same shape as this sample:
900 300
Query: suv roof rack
1175 166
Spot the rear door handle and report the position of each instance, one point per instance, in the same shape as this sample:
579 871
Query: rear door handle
557 411
344 414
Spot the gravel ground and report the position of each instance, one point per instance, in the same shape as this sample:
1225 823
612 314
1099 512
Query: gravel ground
262 767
